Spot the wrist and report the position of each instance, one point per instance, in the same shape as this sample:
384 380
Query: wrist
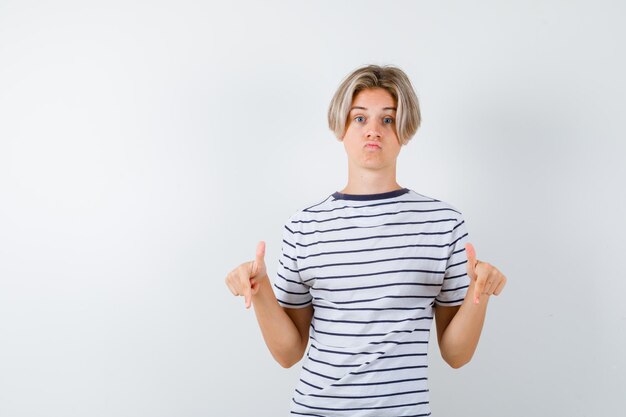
470 293
265 288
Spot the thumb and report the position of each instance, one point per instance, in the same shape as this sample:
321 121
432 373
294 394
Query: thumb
259 260
471 260
471 271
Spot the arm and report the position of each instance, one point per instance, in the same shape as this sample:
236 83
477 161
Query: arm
459 327
285 330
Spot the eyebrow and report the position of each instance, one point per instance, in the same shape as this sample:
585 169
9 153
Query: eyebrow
365 108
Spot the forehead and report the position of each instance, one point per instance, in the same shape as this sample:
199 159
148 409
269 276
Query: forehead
374 98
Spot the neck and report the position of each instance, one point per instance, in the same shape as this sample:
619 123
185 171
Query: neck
371 182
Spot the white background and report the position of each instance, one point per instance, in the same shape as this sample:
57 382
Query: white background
146 147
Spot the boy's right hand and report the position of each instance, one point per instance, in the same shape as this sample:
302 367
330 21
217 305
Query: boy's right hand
247 277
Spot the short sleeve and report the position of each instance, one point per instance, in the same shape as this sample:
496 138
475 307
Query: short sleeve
455 280
290 291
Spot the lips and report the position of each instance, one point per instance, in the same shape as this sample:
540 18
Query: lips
372 145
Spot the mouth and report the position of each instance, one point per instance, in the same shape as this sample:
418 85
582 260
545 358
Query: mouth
372 145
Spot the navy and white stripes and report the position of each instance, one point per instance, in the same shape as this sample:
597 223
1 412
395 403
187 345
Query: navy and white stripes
373 266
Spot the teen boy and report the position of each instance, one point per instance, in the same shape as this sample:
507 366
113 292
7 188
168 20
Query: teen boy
363 273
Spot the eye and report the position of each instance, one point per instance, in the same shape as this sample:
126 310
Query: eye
359 118
388 120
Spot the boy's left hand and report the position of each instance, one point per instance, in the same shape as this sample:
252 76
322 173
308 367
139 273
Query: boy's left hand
488 280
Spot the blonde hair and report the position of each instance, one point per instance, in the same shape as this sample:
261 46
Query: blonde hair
392 79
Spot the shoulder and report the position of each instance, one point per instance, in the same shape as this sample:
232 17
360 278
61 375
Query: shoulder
436 204
309 212
314 208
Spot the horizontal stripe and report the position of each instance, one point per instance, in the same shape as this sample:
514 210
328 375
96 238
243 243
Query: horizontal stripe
458 251
373 321
290 292
369 334
456 276
360 408
284 255
345 353
389 369
393 342
376 249
309 384
456 264
368 384
402 356
295 271
377 261
358 397
364 216
399 343
292 281
454 242
455 289
320 374
370 309
396 271
338 206
369 287
307 414
335 365
450 301
318 242
288 244
367 300
293 304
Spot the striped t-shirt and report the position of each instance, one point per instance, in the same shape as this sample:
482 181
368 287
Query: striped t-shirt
373 266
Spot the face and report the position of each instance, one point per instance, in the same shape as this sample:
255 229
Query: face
370 140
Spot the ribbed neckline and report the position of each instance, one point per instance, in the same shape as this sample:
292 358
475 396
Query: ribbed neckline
362 197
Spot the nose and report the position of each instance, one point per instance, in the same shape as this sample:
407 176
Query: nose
373 128
373 132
